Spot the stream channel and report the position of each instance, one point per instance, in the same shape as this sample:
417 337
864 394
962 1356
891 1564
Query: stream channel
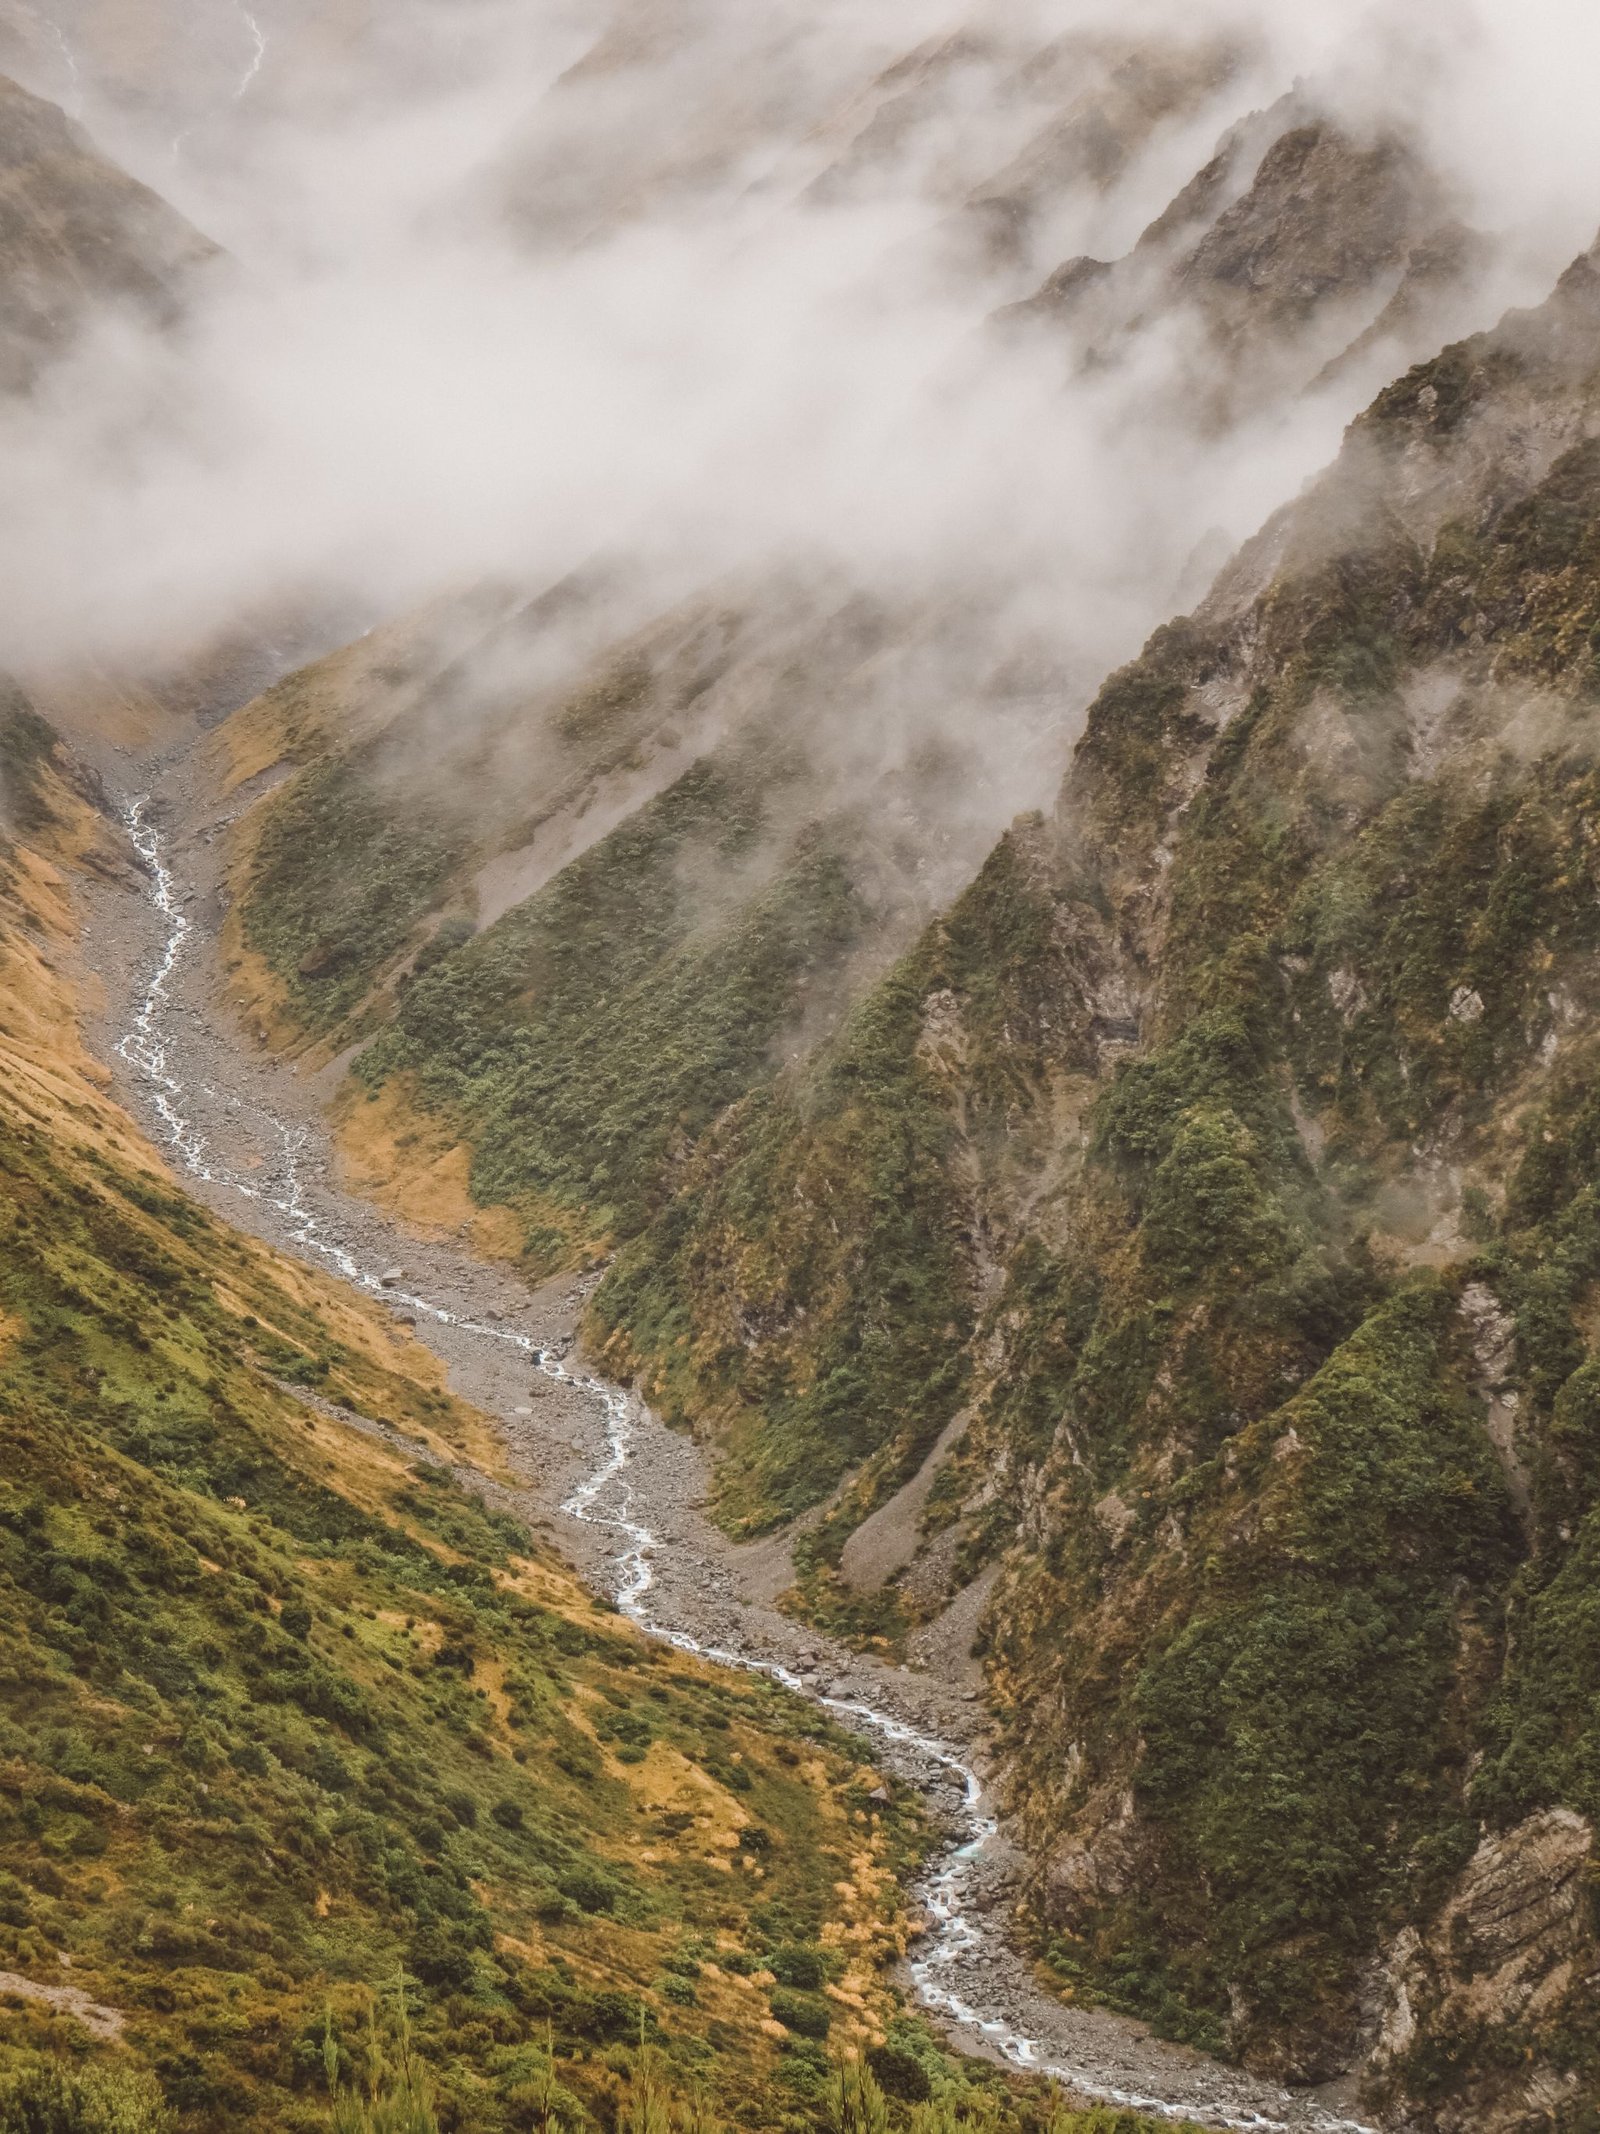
187 1073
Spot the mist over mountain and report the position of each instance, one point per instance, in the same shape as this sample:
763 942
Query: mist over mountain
799 802
743 321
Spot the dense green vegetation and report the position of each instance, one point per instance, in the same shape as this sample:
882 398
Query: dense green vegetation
345 871
1230 1364
811 1289
1296 1752
891 1366
587 1040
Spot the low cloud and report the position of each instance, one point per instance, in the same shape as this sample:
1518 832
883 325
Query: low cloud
505 298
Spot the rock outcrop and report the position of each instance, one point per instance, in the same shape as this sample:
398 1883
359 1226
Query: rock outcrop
1512 1953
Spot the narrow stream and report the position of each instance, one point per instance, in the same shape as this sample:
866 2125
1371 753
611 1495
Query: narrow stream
258 53
242 86
606 1499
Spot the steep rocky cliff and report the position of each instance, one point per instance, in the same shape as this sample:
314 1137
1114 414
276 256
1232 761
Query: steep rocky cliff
1221 1162
1300 245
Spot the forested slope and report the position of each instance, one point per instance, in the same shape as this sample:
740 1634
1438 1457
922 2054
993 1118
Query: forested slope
1210 1184
1227 1154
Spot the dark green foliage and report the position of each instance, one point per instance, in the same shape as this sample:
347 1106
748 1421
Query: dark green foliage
589 1890
1208 1211
806 2014
900 2073
1544 1725
446 938
1215 1061
796 1964
1296 1755
343 874
52 2099
1572 1449
887 1283
603 1025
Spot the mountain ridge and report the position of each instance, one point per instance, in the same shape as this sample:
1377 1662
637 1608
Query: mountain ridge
1099 1151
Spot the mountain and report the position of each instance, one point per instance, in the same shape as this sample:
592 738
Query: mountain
79 239
1275 254
1208 1196
786 773
1185 1233
998 123
295 1705
1104 1167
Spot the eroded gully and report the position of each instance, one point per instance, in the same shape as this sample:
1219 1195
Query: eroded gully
623 1492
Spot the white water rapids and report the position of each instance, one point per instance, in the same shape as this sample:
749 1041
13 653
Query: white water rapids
606 1499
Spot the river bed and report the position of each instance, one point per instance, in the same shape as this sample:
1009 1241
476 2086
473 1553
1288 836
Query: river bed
624 1494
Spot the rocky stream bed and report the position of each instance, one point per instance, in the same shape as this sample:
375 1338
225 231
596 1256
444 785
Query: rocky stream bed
621 1493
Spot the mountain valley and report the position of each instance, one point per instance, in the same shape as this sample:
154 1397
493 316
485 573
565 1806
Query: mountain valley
798 1323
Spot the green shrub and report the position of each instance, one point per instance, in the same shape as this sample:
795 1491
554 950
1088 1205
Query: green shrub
798 1964
900 2073
803 2013
52 2099
589 1889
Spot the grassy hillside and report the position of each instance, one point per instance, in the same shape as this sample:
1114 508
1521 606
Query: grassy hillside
291 1717
596 1031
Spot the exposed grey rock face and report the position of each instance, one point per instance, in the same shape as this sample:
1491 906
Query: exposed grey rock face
1324 216
1512 1944
1297 249
1089 1871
